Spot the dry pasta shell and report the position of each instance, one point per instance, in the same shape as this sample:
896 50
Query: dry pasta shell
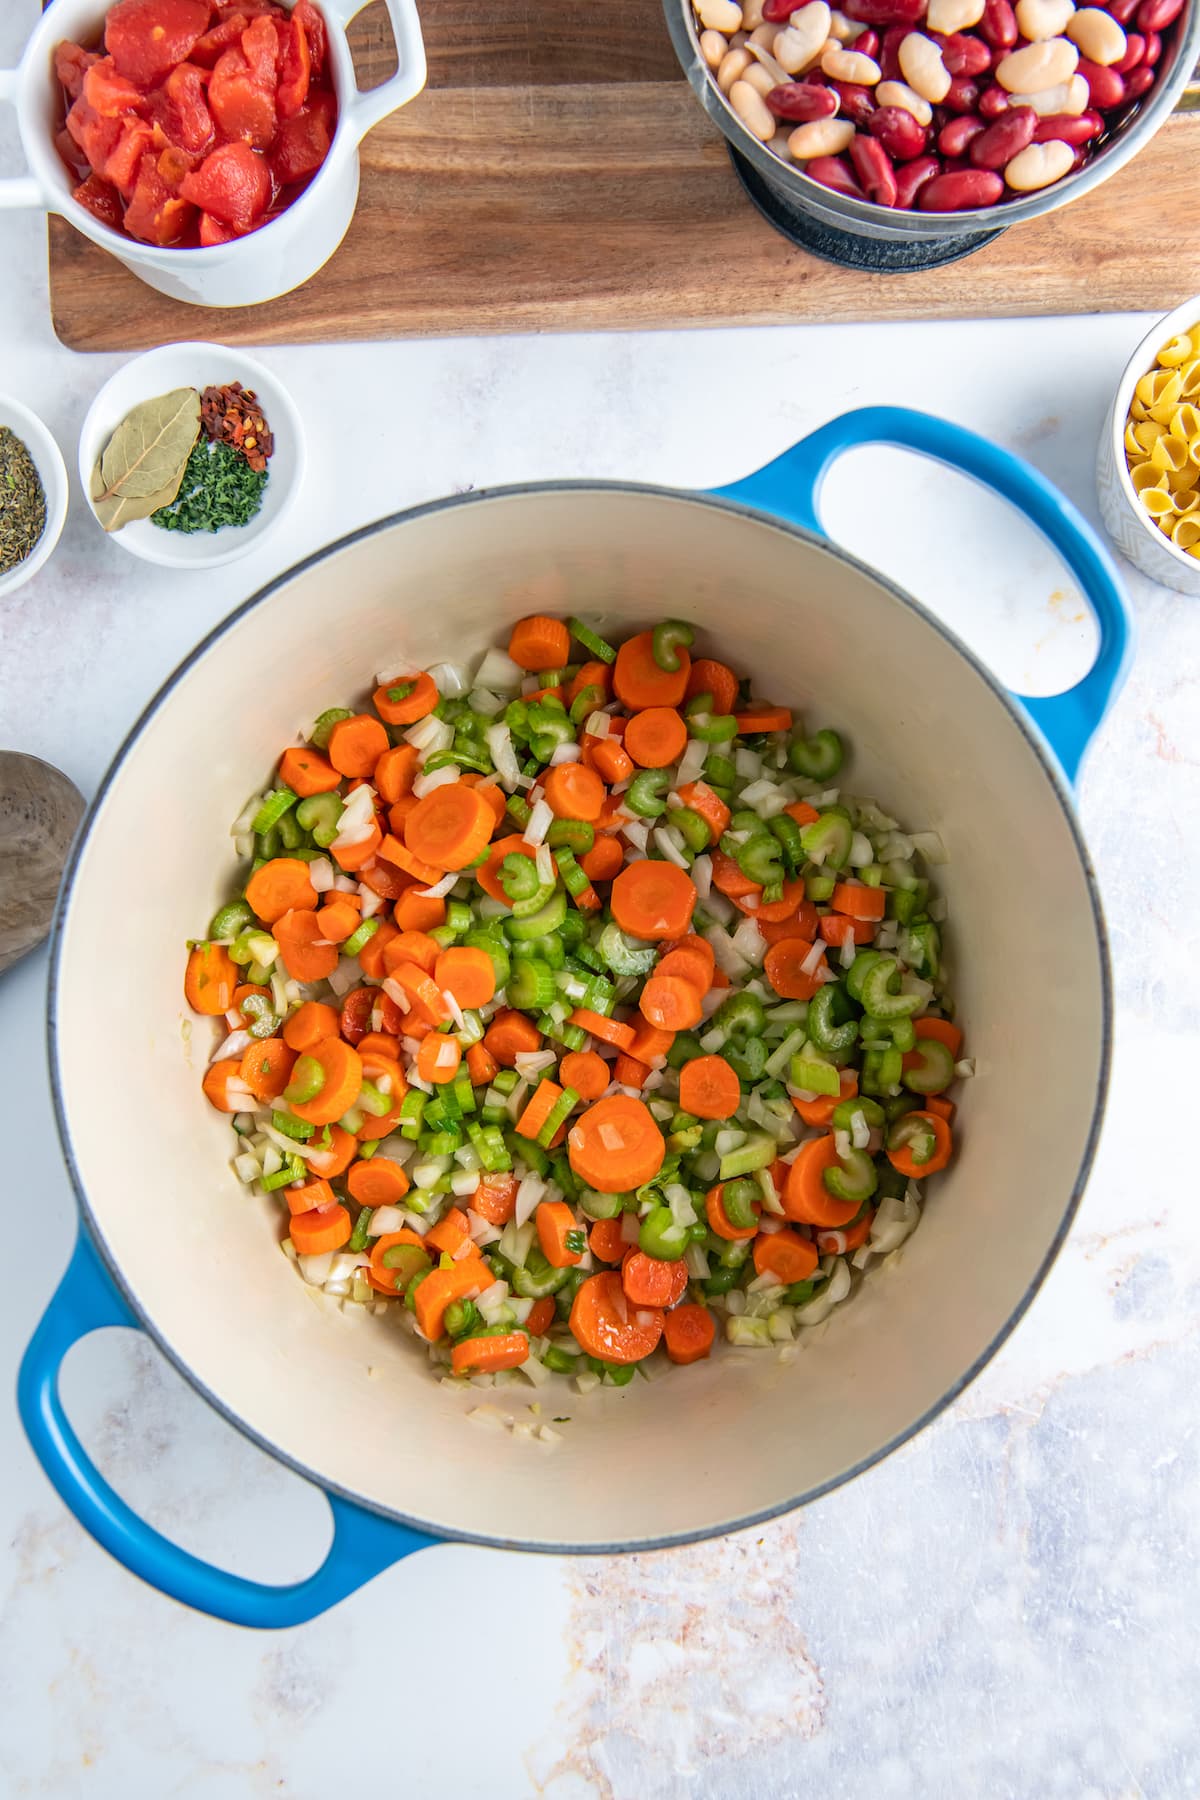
1156 500
1169 454
1137 408
1185 421
1144 475
1190 380
1148 433
1177 351
1185 533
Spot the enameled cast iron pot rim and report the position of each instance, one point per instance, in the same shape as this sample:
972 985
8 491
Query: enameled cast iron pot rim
814 540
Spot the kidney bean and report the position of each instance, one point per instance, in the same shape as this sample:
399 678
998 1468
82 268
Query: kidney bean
898 132
998 26
954 137
961 190
996 146
962 96
866 43
913 177
1140 82
777 11
873 166
1156 15
1069 128
1153 49
802 101
951 164
1122 10
889 52
1106 88
965 55
835 172
884 12
993 103
1135 52
855 103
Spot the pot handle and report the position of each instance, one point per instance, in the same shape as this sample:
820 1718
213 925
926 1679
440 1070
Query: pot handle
367 109
16 190
791 488
363 1543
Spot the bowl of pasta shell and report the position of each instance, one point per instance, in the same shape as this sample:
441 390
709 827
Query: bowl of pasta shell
1148 465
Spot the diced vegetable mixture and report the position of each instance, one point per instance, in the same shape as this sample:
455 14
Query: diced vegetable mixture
574 1009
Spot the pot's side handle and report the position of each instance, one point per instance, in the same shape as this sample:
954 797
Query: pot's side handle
363 1543
791 487
367 109
16 190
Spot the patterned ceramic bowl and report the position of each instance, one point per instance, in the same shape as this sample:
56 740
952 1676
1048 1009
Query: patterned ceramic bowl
1128 524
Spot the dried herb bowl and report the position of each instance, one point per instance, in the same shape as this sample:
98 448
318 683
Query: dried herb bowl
52 471
198 366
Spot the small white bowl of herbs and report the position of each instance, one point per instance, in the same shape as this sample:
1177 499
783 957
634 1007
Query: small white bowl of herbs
191 455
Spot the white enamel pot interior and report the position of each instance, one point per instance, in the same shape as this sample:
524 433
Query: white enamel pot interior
351 1401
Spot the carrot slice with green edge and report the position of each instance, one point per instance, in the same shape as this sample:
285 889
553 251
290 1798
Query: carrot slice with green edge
820 1111
709 1088
630 1071
670 1003
652 1280
639 682
423 993
468 1276
806 1200
699 797
728 878
352 857
606 1240
609 1031
944 1031
307 772
481 1065
656 738
805 922
309 1024
541 1317
316 1233
685 964
308 1195
610 761
210 980
280 886
307 954
858 901
340 917
719 1219
574 792
653 899
688 1332
395 772
940 1106
337 1158
606 1326
405 699
616 1145
591 674
484 1355
342 1072
467 973
783 966
412 947
356 744
438 1058
414 911
508 1035
449 1232
902 1161
584 1071
449 828
495 1199
841 1243
651 1044
539 642
603 860
488 873
838 929
372 958
763 718
715 678
380 1182
786 1254
393 1278
555 1227
267 1067
217 1078
538 1107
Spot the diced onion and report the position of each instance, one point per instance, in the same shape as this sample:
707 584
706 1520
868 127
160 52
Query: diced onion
529 1194
385 1219
499 671
541 818
664 842
322 874
564 753
544 863
765 797
637 833
394 991
500 747
449 678
749 941
429 735
439 888
702 876
691 763
443 777
598 724
748 764
529 1063
347 974
809 965
235 1044
930 845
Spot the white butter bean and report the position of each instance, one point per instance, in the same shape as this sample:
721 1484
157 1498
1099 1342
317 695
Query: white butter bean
805 37
1036 66
844 30
922 67
1072 98
713 48
764 36
719 15
898 93
1038 165
753 111
821 137
752 14
850 65
760 79
1042 19
732 68
1097 35
947 16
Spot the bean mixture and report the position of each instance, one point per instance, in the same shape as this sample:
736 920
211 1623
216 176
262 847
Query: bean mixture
934 105
576 1015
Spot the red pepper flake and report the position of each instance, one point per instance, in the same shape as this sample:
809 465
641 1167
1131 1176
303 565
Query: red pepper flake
231 415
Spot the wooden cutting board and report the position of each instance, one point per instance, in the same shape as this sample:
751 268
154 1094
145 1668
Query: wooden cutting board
557 174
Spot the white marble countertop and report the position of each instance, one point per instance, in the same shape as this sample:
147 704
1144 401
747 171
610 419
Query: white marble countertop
1005 1608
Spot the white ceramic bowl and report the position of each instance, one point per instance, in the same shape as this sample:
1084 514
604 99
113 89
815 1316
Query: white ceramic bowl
198 366
1128 524
50 466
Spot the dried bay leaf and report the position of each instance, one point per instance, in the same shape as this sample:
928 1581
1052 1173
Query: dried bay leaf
143 463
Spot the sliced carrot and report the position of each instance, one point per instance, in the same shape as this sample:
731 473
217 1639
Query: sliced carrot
944 1031
685 964
490 792
715 678
840 1243
217 1078
630 1071
653 899
438 1058
385 1279
603 860
656 737
858 901
806 1200
394 773
210 980
838 929
356 744
307 955
379 1043
688 1332
484 1355
449 828
449 1232
308 1195
609 1031
708 806
407 861
719 1220
802 812
783 966
412 947
670 1003
340 917
307 772
728 878
342 1068
467 973
709 1088
902 1159
761 717
281 885
651 1044
247 990
469 1276
616 1144
638 680
773 912
405 699
538 1107
481 1065
380 1182
385 1073
508 1035
352 857
934 1103
540 1317
591 674
574 792
495 1199
423 993
343 1148
415 911
610 761
398 812
488 873
805 923
372 958
606 1240
309 1024
267 1067
786 1254
820 1111
539 643
603 1322
584 1071
555 1223
653 1280
315 1233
